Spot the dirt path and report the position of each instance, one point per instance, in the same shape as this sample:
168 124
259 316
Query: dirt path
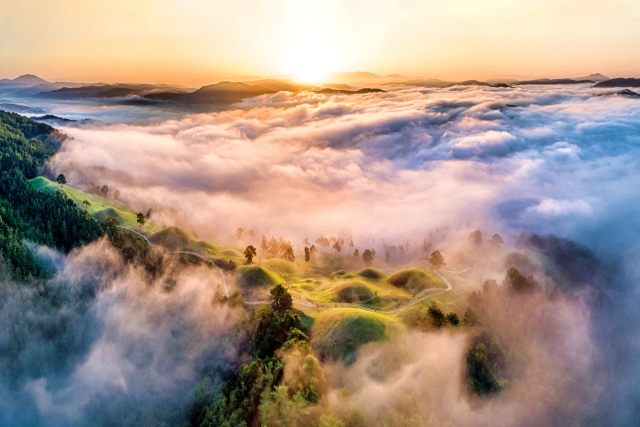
423 295
224 279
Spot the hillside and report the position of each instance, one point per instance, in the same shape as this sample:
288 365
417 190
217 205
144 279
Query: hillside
619 82
219 93
554 82
47 218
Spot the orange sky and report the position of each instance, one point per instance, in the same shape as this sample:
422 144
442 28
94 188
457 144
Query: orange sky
182 41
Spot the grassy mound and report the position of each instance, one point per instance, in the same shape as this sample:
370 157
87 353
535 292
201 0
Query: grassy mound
41 183
172 238
231 253
371 273
338 333
283 267
99 207
354 293
413 279
103 214
252 276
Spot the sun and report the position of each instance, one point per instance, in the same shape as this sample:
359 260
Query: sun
309 69
309 52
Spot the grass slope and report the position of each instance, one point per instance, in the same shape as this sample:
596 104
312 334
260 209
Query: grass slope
99 207
252 276
415 280
338 333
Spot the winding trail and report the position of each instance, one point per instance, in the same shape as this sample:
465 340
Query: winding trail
224 278
423 295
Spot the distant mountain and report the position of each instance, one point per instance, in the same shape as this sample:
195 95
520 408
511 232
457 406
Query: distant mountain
596 77
119 90
630 93
25 80
470 83
503 79
426 83
351 92
280 85
75 92
219 93
554 82
21 109
619 82
34 90
52 118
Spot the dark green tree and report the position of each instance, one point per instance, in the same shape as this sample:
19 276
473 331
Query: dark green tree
337 247
437 317
249 253
140 219
280 298
307 254
61 179
367 257
437 260
453 319
496 241
519 283
288 254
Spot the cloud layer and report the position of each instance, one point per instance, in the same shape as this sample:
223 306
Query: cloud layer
536 158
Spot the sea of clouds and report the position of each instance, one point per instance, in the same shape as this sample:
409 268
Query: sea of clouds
560 160
392 166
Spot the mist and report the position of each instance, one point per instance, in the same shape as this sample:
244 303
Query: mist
526 162
100 343
547 160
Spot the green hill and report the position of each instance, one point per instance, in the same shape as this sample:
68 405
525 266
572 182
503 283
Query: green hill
415 280
354 293
99 207
252 276
371 274
338 333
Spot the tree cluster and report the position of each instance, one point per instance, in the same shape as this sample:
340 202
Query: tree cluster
280 248
45 217
257 390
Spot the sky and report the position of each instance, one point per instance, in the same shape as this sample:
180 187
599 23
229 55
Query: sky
184 41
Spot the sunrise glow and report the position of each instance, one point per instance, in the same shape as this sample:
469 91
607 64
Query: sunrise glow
319 213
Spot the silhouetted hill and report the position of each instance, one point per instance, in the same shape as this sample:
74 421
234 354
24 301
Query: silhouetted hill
629 93
596 77
52 118
470 83
280 85
219 93
24 80
351 92
426 83
21 109
118 90
554 82
619 82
